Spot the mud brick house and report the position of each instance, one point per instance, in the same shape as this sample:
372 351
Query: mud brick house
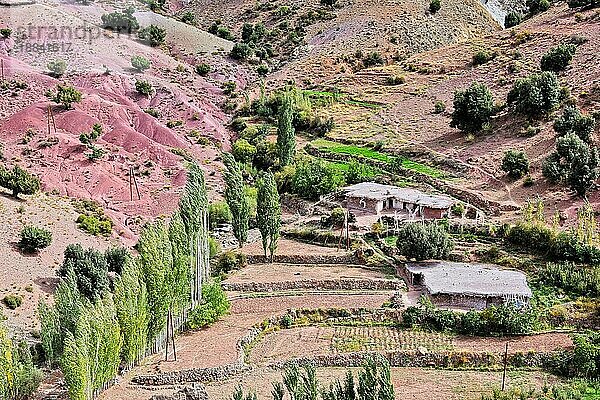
470 286
369 198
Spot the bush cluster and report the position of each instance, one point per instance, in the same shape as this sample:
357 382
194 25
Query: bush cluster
494 320
12 301
152 35
18 180
563 246
214 305
558 58
423 241
230 261
569 277
515 164
536 95
473 108
33 239
121 21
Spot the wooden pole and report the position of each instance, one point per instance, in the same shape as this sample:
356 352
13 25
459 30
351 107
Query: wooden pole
505 364
137 190
347 229
173 338
167 338
130 184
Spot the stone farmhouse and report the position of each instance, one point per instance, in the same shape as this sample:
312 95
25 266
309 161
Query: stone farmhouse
469 286
369 198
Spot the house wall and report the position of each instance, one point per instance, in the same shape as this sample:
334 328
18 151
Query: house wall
364 206
434 213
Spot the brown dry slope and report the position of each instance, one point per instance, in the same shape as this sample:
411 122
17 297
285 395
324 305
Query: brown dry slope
407 121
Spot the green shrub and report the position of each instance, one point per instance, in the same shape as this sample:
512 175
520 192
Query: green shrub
482 57
558 58
94 225
243 151
188 18
65 95
12 301
116 258
262 70
315 177
203 69
573 121
219 214
224 33
473 108
230 261
121 21
569 277
395 80
435 6
424 241
152 35
512 19
439 107
140 64
536 95
57 68
5 33
583 3
90 269
144 87
18 180
241 51
33 239
515 164
537 6
373 59
214 305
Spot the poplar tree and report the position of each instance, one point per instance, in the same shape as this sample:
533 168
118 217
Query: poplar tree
193 208
268 213
156 258
236 199
131 302
286 135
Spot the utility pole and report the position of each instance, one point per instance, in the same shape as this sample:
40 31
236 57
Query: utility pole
505 364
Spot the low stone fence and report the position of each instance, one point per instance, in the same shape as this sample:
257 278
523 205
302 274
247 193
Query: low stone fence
447 359
331 259
329 284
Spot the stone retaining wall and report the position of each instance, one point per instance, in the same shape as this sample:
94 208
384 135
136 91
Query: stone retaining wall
329 284
418 359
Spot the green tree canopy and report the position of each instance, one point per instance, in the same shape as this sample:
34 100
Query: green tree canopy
268 213
473 108
536 95
235 196
573 121
424 241
18 180
286 134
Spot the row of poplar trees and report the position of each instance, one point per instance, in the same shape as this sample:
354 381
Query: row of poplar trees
89 339
268 208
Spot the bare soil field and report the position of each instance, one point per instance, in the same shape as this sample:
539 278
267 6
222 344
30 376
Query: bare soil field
290 272
289 247
33 276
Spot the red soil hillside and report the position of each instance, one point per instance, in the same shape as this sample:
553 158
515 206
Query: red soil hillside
188 109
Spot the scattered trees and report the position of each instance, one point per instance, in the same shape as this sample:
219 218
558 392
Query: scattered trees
574 162
473 108
64 95
515 164
535 95
19 378
140 64
90 269
33 238
537 6
424 241
558 58
241 51
268 213
236 198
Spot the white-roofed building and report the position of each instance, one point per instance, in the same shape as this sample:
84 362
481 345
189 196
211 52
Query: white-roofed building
369 198
468 285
